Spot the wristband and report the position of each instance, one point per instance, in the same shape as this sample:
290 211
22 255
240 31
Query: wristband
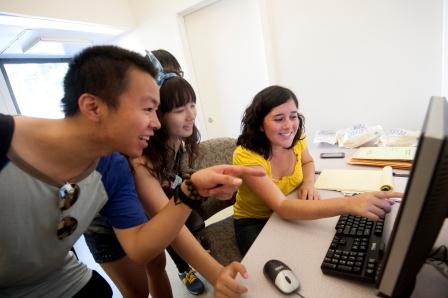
180 197
194 194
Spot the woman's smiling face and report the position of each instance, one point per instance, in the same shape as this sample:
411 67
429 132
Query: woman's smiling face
281 124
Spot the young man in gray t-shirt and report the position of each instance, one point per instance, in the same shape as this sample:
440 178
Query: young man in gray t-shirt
55 175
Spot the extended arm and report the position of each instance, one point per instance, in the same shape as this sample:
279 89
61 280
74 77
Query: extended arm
372 205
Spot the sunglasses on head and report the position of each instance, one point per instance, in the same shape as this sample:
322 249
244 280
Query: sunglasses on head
68 195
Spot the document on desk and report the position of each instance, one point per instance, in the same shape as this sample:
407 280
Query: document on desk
396 157
356 181
385 153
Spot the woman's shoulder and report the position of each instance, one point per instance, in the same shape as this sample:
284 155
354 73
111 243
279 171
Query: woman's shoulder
245 156
245 151
301 144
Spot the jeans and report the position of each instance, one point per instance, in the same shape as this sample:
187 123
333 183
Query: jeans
246 231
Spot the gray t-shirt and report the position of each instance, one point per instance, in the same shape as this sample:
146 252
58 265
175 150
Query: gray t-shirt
33 261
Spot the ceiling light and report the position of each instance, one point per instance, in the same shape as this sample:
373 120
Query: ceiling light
40 22
54 46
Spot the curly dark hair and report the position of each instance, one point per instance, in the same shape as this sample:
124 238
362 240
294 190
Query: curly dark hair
175 92
252 137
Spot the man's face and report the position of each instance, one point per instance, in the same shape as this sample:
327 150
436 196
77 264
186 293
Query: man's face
131 125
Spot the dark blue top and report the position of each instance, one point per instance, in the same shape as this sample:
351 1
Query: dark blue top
123 208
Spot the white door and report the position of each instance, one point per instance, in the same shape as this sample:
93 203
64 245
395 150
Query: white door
226 47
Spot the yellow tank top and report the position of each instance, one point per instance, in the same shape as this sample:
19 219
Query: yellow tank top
247 204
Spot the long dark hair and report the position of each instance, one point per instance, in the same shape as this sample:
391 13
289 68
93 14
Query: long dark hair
175 92
252 137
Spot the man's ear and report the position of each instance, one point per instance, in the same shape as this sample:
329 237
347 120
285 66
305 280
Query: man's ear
90 106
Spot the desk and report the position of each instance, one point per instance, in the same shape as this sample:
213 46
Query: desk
302 245
339 163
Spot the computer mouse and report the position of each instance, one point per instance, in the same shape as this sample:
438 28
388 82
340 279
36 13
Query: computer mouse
281 276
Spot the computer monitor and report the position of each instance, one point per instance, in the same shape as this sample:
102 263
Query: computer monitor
423 209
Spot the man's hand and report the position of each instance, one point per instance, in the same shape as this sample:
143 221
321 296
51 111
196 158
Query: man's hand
226 286
222 181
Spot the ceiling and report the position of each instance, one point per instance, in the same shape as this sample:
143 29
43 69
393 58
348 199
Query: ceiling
27 37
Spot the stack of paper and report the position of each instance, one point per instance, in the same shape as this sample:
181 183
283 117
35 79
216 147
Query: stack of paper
396 157
355 181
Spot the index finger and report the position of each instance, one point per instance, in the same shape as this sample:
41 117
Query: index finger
389 194
243 170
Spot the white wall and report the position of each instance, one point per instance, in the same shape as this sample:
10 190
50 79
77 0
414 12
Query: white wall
106 12
445 50
372 61
157 25
226 45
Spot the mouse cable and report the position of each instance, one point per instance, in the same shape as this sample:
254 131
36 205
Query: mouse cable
298 294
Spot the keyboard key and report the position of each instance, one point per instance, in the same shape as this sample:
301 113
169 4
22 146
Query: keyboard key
344 268
329 265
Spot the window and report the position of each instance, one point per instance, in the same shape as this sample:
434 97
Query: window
36 85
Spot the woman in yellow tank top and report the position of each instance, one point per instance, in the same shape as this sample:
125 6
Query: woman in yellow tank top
273 138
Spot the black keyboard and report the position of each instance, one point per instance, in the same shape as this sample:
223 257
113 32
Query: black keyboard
356 248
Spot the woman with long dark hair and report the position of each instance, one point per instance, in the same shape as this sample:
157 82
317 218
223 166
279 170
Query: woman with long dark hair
273 138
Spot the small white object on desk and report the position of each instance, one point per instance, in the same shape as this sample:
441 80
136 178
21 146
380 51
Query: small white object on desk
325 136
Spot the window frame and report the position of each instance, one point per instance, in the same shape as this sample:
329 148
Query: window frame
4 61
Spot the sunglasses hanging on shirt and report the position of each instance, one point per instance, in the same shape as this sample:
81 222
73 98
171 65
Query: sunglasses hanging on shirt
68 195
